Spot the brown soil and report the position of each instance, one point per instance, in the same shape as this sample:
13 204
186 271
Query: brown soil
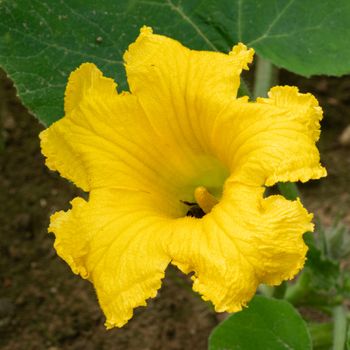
44 306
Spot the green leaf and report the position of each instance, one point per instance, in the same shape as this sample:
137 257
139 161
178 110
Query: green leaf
299 35
266 324
41 42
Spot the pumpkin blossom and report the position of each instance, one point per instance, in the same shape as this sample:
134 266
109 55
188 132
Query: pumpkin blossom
176 171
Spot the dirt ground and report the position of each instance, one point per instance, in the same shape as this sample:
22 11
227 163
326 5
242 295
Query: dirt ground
44 306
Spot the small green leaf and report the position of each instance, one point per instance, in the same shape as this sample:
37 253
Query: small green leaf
289 190
266 324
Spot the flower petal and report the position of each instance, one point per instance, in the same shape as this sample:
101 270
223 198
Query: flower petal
115 240
244 241
172 82
271 140
85 81
104 140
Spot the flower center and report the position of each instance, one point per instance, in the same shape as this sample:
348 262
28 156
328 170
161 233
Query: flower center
198 186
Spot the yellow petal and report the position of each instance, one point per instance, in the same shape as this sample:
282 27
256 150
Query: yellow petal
84 81
271 140
116 241
105 140
173 82
244 241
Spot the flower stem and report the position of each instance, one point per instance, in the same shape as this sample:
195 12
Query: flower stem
265 77
296 292
280 291
266 290
340 327
321 335
244 89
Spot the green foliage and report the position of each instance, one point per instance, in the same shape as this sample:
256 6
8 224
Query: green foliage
331 246
321 335
323 283
335 241
265 324
299 35
325 270
41 42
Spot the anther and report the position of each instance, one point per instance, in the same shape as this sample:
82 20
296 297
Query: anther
205 200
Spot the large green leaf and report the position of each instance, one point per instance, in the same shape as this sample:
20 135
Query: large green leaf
307 37
41 42
266 324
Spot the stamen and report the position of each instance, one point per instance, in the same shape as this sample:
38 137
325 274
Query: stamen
205 200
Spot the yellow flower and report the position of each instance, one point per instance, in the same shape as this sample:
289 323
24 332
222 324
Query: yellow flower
181 137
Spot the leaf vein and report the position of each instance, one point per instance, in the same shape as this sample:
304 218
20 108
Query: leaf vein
182 14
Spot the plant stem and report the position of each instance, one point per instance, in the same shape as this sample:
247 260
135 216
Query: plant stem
243 89
266 290
2 112
265 77
321 335
340 327
280 291
297 291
